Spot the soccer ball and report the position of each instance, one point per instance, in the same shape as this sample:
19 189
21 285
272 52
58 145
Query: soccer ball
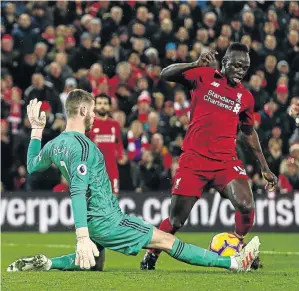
226 244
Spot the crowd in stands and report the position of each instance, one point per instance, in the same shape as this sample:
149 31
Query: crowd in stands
119 48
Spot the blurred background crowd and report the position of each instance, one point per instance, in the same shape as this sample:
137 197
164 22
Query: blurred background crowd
119 48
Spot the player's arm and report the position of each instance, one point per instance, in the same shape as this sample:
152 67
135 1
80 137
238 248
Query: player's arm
37 159
175 72
79 181
252 140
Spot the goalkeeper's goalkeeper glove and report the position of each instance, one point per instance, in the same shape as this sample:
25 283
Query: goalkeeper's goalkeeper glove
86 250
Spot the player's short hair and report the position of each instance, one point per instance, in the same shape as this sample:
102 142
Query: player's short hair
237 46
76 98
103 95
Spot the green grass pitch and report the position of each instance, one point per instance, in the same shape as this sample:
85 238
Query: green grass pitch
280 256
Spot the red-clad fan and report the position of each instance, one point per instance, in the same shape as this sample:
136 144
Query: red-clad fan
106 134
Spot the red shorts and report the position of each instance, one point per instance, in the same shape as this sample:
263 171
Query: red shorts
195 172
112 171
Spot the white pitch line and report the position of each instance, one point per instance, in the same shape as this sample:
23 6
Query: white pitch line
73 247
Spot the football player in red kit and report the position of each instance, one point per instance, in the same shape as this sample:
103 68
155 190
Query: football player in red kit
219 105
106 134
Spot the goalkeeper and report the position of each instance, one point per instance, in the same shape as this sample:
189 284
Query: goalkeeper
99 221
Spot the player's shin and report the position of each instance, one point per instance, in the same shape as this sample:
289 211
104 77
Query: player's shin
194 255
65 263
244 222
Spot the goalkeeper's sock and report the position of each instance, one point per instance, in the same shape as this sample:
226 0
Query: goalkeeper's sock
194 255
65 263
244 222
166 227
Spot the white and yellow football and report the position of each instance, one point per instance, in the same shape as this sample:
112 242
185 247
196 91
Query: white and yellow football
226 244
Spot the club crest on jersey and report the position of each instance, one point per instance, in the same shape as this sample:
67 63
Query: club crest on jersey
239 96
177 183
96 130
215 84
82 169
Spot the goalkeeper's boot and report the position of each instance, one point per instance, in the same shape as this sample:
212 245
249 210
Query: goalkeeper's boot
36 263
149 261
246 257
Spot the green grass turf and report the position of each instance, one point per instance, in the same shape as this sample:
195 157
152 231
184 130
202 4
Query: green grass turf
280 272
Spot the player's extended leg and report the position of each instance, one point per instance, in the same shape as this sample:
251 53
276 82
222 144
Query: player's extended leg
67 263
64 263
180 209
238 191
194 255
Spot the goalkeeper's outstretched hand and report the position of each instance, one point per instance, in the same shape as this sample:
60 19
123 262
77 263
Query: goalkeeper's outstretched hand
36 118
86 250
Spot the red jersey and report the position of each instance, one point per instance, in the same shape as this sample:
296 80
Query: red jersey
106 135
216 111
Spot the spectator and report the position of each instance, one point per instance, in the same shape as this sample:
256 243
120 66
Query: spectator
165 117
175 146
63 13
210 24
202 36
42 16
171 54
42 59
250 27
62 59
149 174
43 91
49 36
271 73
182 53
259 94
9 57
27 67
270 48
283 68
137 143
161 154
9 17
236 28
120 53
112 23
86 55
179 125
124 75
181 104
108 60
152 126
94 29
289 180
158 101
143 108
274 156
15 112
282 94
163 36
24 36
143 17
55 77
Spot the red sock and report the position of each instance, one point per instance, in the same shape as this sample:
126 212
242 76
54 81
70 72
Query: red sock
166 227
243 222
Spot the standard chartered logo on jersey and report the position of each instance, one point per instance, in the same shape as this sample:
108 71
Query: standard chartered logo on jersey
222 101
